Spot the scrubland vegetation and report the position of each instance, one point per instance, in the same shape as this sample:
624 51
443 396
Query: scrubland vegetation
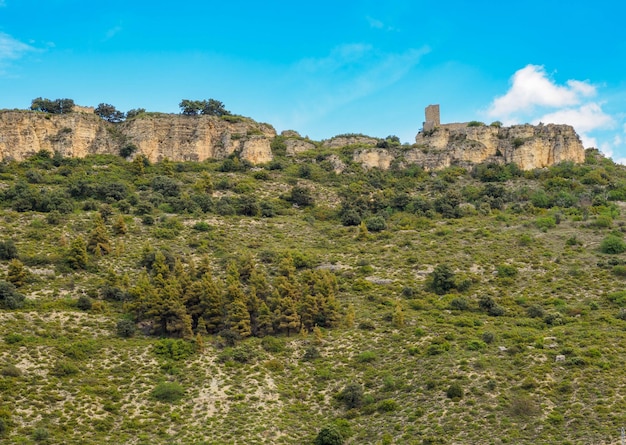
222 303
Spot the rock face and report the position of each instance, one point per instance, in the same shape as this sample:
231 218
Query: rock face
344 140
178 138
528 146
295 146
196 138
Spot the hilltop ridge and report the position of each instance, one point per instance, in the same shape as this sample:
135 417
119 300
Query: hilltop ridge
158 136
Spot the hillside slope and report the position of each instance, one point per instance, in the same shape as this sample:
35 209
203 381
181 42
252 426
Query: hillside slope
483 306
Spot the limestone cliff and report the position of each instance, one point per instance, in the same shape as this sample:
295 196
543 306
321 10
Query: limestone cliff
179 138
528 146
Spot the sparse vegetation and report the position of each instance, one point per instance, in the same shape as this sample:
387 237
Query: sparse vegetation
163 302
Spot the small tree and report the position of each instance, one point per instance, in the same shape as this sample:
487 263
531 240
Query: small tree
57 106
8 251
301 196
352 395
17 273
190 107
214 107
10 298
131 114
612 245
119 226
99 243
442 279
109 113
329 436
76 256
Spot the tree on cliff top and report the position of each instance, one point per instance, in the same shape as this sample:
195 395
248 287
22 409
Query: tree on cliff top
57 106
209 107
109 113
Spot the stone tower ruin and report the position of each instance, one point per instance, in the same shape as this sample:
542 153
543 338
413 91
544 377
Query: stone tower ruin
432 118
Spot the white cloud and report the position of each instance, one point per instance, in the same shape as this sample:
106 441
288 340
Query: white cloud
11 48
587 117
531 88
534 97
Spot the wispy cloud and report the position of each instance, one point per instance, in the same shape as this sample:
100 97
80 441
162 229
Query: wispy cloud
112 32
11 48
534 97
378 24
2 3
349 72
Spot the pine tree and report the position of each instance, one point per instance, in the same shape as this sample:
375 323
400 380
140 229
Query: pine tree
398 316
286 267
119 226
210 304
258 281
287 315
350 317
239 318
168 311
137 166
17 273
98 242
76 256
264 321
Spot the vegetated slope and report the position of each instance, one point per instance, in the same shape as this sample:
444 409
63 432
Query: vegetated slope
474 307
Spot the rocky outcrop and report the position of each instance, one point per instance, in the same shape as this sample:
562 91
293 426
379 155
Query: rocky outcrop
295 146
24 133
527 146
374 158
345 140
176 137
196 138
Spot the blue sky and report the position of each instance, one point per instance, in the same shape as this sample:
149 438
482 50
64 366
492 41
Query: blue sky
324 68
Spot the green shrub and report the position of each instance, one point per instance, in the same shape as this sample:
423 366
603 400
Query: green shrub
545 222
612 245
63 368
168 392
618 298
8 251
329 435
84 303
11 371
311 353
202 226
352 395
375 224
441 280
273 344
459 304
619 270
41 434
174 349
366 357
125 328
476 345
10 298
506 271
475 124
387 405
455 392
